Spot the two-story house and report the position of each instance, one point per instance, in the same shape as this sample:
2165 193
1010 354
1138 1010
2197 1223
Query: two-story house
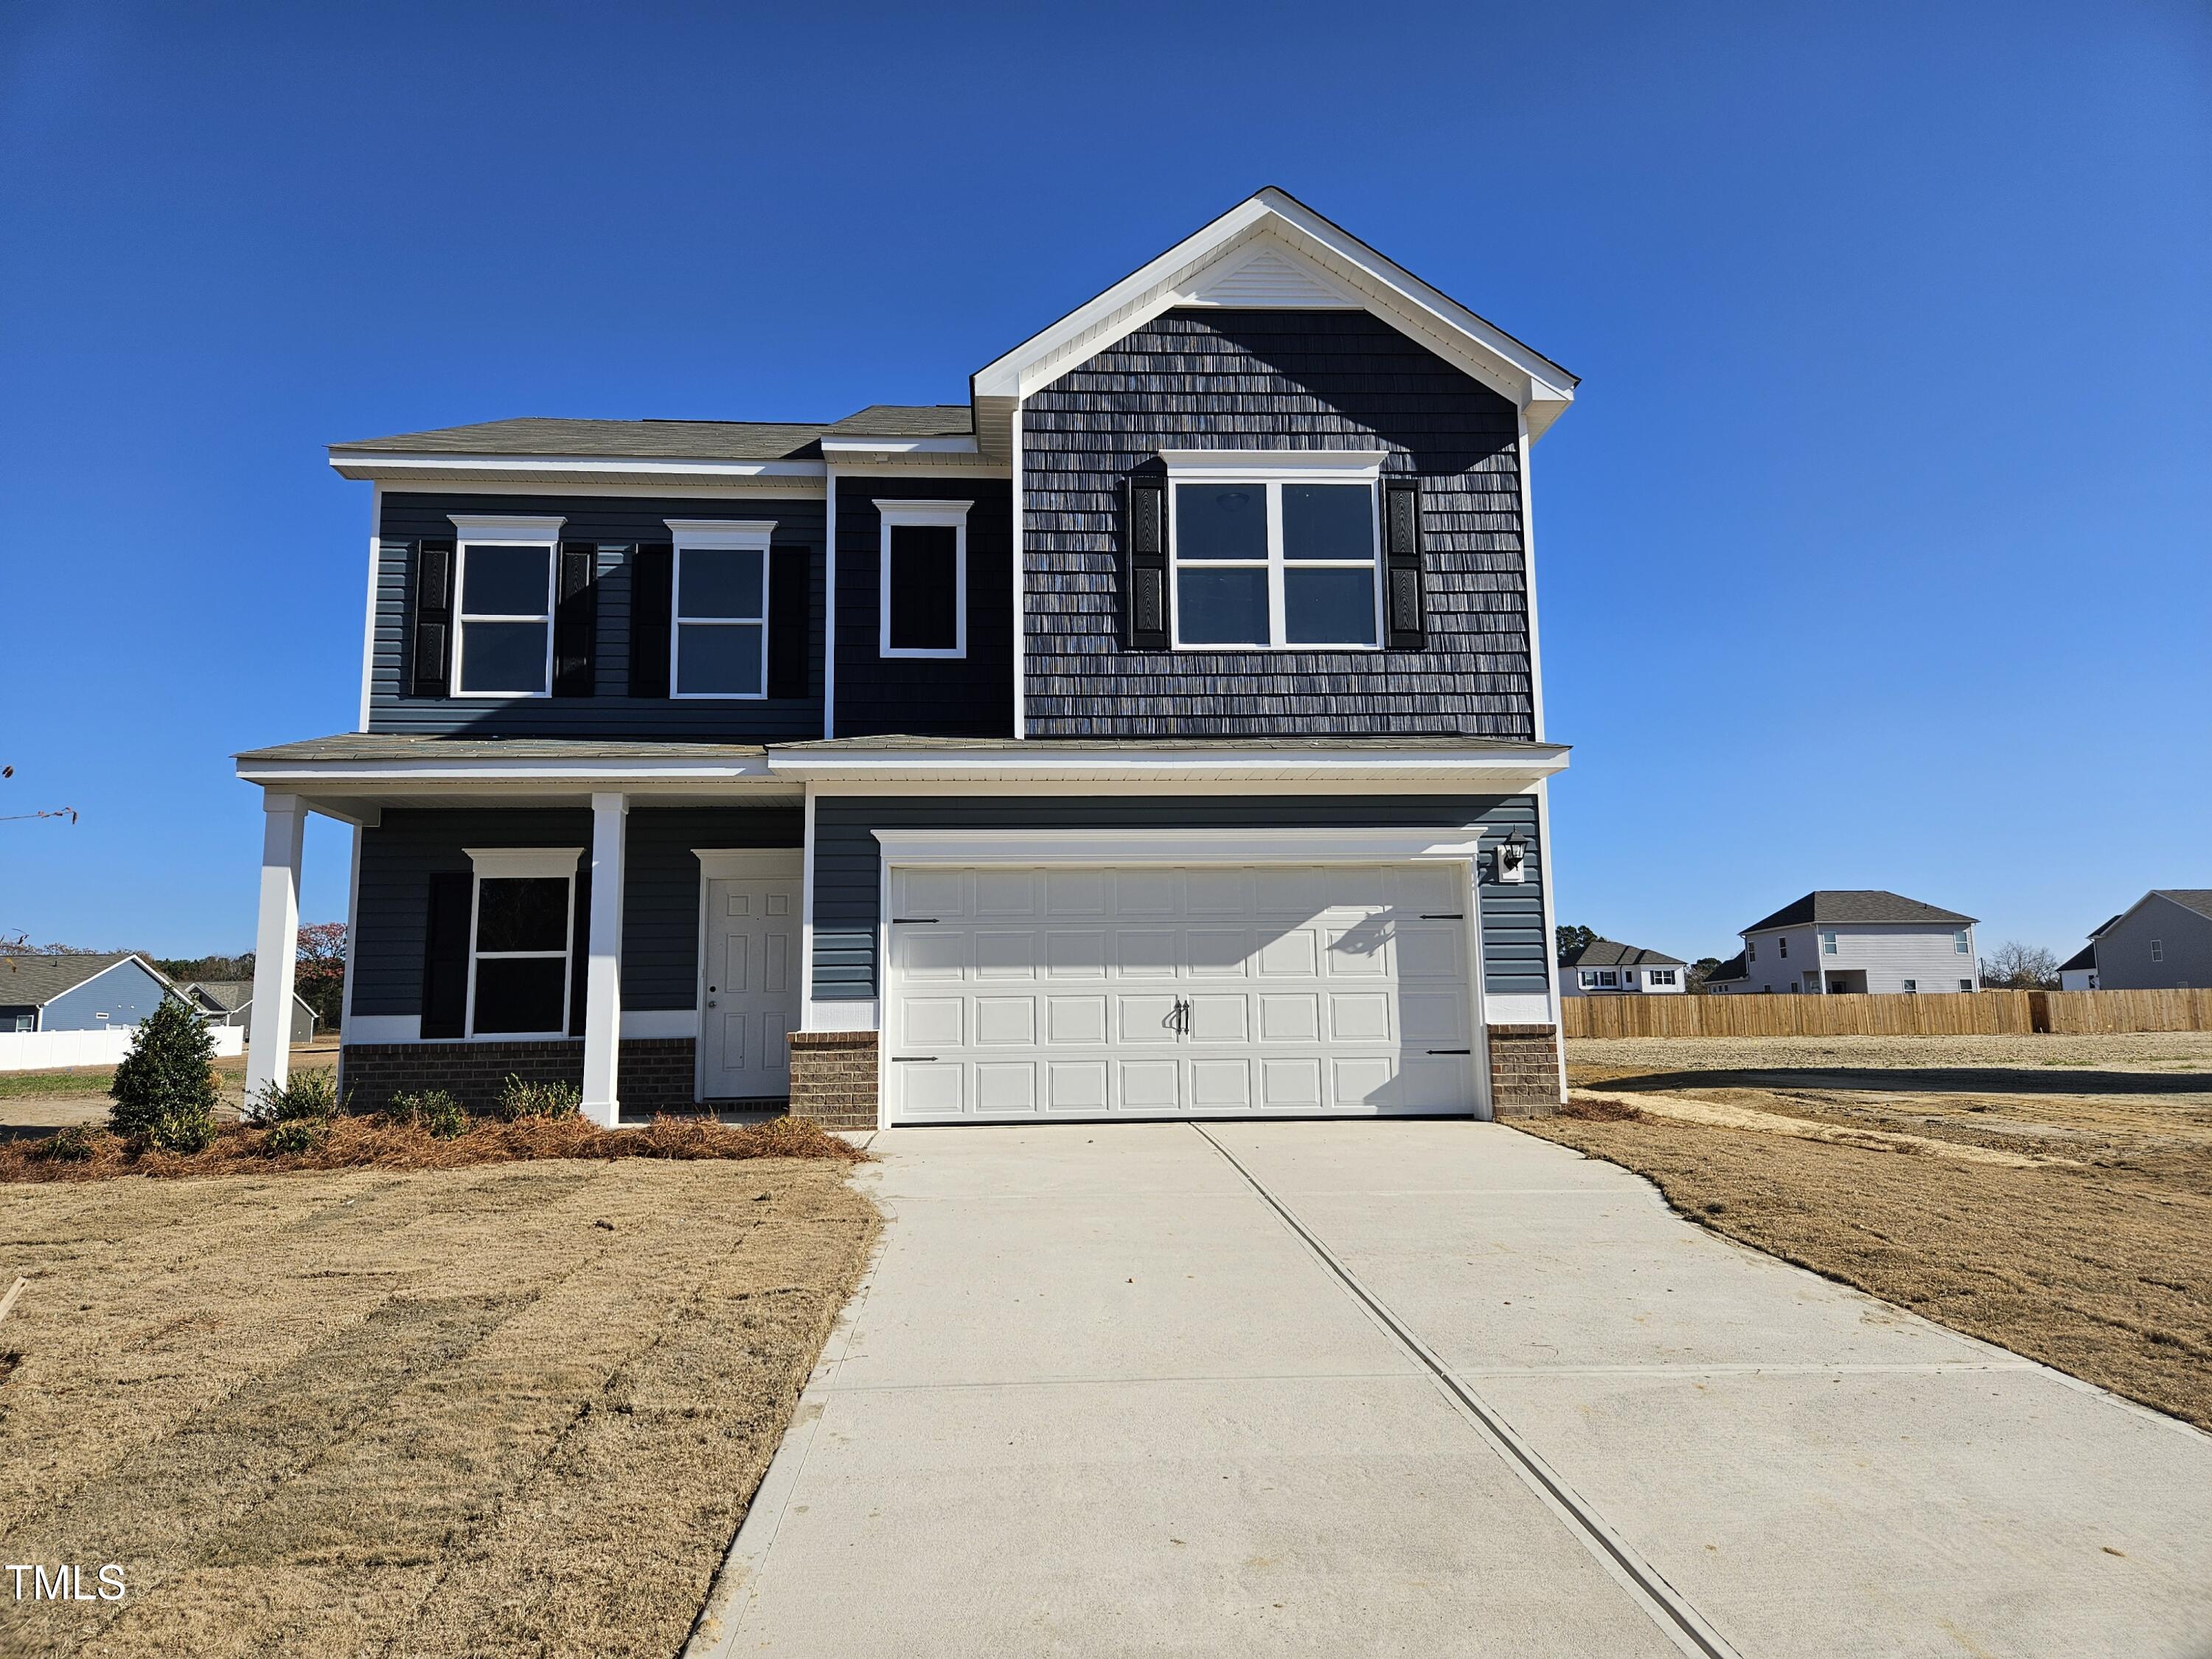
2163 941
1853 941
1157 732
1607 968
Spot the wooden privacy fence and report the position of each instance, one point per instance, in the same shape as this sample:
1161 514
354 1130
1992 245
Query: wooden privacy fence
1955 1013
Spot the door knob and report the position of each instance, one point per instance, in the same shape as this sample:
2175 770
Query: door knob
710 1002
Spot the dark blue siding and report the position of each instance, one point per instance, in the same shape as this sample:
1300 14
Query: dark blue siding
927 696
847 869
1262 379
661 909
617 524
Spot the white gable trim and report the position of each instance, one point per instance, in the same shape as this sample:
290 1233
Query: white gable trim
1274 227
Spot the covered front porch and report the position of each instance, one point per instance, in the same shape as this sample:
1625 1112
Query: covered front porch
625 917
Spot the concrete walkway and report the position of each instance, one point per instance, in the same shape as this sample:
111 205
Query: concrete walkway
1421 1387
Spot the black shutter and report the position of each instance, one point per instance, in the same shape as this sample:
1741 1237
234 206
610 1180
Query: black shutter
1407 623
576 620
445 956
580 952
434 617
790 640
652 578
1146 599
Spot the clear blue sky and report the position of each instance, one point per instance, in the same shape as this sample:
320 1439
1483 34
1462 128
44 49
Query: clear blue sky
1874 553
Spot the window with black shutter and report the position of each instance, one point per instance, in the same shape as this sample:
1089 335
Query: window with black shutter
652 576
576 620
1401 543
1145 602
446 955
434 616
790 620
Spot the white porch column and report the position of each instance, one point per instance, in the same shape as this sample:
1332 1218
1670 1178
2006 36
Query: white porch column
603 985
276 942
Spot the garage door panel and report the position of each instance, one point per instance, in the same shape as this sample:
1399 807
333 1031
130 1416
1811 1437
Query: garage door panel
1432 1018
932 1021
1290 1085
1360 951
1149 1085
1075 1085
1359 1017
930 1090
1292 955
1145 1018
1361 1081
1436 951
1075 1022
1003 1021
1148 893
1006 1086
1220 1019
1217 952
1075 892
1005 953
1215 892
1221 1085
1145 953
1006 894
941 893
1290 1017
1073 954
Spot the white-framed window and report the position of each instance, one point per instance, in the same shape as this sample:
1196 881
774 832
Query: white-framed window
522 920
1751 950
1960 945
1828 943
1277 550
1783 943
1965 985
1588 976
718 641
1661 976
923 602
504 605
2158 949
1608 977
1911 988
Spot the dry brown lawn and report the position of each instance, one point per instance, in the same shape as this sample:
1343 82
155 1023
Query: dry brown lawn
516 1408
2089 1250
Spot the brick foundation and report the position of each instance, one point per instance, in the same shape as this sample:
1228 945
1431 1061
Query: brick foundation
655 1077
1524 1071
833 1078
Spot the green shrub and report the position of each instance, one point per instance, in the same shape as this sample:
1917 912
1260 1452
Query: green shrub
518 1100
164 1087
296 1134
304 1097
72 1145
428 1108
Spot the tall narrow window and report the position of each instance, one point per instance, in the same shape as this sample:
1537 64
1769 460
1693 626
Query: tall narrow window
719 646
1827 943
504 646
521 929
1958 944
1276 556
924 579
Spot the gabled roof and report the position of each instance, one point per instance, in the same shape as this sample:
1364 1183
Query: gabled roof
2084 957
1729 971
38 979
2099 930
1272 250
227 995
695 441
2198 899
907 421
1610 953
1851 904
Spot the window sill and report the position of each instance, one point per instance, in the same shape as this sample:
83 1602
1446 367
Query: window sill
888 655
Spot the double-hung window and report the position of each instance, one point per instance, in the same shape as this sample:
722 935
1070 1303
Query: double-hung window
520 931
1662 976
1827 943
504 585
719 646
1958 944
1279 551
924 579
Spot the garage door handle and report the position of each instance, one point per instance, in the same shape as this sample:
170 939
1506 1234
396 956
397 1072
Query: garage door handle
1451 1051
1456 915
914 1060
903 921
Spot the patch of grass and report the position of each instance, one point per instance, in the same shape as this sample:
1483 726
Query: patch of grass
32 1085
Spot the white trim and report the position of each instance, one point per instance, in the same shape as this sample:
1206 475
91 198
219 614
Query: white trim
749 863
275 939
472 529
903 515
602 964
1528 585
385 1028
367 465
1519 1008
311 773
1513 768
353 937
1237 465
659 1022
829 606
944 444
1300 845
807 916
1021 597
523 863
1270 479
716 536
845 1014
368 607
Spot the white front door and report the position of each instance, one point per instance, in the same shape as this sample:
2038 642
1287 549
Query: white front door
749 994
1180 992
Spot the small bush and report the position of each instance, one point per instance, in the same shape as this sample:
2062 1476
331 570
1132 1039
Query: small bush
72 1145
433 1109
1599 1111
518 1100
296 1134
165 1089
305 1097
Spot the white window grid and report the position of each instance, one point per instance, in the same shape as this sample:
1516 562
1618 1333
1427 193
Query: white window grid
714 536
894 514
548 864
550 540
1275 563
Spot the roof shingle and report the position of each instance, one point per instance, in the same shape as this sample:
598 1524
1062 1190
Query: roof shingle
1854 904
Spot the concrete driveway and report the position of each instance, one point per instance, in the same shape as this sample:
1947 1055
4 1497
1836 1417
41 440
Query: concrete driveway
1421 1387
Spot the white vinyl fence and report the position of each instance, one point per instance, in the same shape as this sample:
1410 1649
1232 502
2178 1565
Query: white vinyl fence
47 1051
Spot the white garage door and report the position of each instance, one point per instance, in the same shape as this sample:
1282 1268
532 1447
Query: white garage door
1162 991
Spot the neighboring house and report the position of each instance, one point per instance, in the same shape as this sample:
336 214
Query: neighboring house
1730 977
2079 971
77 993
2161 942
1155 733
1860 940
1604 967
230 1002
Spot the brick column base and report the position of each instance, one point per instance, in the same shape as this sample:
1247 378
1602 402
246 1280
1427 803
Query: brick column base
656 1071
833 1078
1524 1071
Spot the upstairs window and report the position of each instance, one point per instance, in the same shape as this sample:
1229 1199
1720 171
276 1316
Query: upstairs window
504 620
522 923
1959 945
719 648
1280 553
2158 949
1827 943
1662 976
1589 977
924 598
1782 944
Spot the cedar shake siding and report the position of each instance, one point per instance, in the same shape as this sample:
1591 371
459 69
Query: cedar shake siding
970 696
1257 379
848 866
617 525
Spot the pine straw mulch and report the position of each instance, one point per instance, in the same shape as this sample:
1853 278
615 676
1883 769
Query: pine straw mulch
357 1143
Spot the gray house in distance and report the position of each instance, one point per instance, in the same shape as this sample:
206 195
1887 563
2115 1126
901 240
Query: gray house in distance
1607 968
2162 942
1857 940
1154 732
230 1002
77 993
